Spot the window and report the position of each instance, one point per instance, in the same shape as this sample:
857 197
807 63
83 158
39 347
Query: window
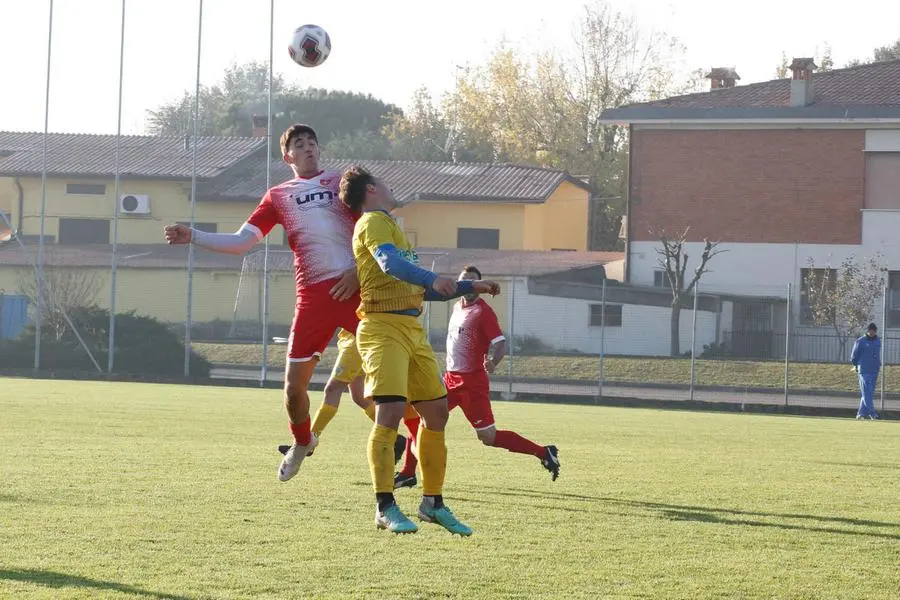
207 227
893 316
882 180
478 238
86 189
84 231
822 282
612 318
660 279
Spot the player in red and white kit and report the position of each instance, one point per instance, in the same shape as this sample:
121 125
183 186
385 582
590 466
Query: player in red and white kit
475 346
319 228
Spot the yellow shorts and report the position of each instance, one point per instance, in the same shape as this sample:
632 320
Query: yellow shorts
348 364
397 358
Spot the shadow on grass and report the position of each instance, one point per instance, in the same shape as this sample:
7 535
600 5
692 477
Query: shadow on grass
891 467
678 512
61 580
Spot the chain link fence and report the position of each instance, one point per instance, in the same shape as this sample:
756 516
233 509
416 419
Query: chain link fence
572 339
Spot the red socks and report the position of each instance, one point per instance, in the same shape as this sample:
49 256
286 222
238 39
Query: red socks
301 433
409 460
514 442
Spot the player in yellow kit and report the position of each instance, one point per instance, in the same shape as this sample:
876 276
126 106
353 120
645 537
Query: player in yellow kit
397 357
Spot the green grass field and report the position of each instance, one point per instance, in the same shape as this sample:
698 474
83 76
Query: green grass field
169 492
728 373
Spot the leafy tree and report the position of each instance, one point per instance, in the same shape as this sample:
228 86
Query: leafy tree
844 298
673 259
545 109
882 53
227 108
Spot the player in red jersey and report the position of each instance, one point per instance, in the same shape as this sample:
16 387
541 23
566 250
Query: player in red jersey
475 346
319 228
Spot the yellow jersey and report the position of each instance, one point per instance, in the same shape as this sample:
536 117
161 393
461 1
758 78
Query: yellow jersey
378 291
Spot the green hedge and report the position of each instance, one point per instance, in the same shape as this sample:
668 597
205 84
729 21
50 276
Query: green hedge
144 346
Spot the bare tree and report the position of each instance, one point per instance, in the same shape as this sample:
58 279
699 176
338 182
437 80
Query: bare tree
65 289
673 258
844 298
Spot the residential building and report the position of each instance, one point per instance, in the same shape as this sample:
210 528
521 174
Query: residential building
516 214
787 175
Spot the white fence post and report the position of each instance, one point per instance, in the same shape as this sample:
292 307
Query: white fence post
512 338
602 337
693 339
884 312
787 344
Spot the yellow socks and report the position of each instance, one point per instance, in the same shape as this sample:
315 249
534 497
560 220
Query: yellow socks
323 418
432 460
381 458
370 411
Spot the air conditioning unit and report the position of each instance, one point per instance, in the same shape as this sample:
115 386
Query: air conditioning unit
134 204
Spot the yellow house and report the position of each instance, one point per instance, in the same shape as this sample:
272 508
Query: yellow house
469 205
453 209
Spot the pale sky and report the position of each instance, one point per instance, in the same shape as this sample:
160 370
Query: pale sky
387 48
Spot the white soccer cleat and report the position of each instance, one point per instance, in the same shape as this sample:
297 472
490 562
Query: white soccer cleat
290 464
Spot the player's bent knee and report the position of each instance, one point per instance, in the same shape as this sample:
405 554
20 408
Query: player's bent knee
335 387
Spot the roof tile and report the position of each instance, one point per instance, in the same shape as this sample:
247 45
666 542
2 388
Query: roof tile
246 181
21 153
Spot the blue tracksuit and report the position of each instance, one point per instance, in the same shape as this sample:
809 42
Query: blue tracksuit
866 357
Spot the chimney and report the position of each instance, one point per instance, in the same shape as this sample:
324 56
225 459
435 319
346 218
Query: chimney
260 126
722 77
803 91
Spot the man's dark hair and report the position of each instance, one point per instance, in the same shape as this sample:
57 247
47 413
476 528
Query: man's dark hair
353 187
472 269
292 132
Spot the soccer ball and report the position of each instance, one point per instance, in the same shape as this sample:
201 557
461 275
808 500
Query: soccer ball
310 46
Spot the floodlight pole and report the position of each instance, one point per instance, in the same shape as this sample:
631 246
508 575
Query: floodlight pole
40 262
264 371
194 142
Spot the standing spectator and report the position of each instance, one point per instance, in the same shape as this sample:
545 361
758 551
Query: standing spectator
866 360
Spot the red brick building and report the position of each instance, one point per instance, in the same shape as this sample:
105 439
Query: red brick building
791 161
780 172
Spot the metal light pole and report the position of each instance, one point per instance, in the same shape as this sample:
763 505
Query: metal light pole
40 262
264 371
190 286
115 242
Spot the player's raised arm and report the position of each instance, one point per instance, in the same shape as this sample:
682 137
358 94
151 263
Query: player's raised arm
258 225
238 242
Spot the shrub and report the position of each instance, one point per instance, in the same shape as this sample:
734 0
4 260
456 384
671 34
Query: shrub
144 346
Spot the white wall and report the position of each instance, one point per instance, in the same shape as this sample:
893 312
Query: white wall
767 269
565 324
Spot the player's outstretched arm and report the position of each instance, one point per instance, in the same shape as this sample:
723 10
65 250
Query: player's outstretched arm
238 242
393 263
464 287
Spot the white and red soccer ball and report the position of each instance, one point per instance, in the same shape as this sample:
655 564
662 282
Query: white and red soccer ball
310 46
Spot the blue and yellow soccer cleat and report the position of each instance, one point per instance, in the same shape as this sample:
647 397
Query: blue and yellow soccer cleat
393 519
443 517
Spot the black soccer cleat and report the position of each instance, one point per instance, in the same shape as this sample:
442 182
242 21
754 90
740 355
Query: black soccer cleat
402 481
551 461
284 448
399 448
